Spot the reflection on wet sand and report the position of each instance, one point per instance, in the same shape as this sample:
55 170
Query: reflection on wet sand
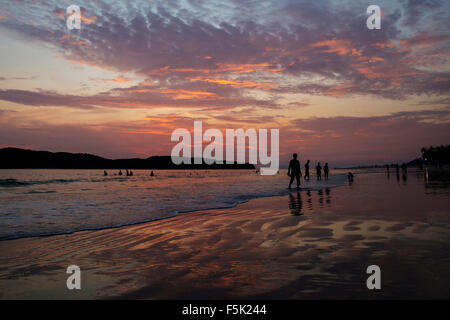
320 197
308 193
295 203
265 248
404 178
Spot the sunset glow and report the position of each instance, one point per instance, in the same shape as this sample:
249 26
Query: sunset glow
134 73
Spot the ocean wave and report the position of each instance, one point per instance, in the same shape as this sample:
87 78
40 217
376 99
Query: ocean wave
12 183
17 183
39 192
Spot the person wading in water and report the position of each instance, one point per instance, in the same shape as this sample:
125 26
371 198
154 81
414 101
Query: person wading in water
294 171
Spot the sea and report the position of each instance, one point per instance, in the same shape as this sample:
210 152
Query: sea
35 202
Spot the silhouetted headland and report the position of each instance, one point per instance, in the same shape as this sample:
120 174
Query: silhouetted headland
15 158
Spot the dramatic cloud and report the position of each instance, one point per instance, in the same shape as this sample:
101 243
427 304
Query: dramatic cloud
243 63
307 42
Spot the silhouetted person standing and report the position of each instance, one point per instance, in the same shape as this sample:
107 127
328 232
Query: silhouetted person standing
152 174
105 173
307 170
350 177
294 170
120 172
319 171
325 171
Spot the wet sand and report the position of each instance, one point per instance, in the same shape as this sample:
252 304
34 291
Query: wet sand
308 245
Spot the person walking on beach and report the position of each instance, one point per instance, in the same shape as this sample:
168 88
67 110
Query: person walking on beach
307 170
319 171
325 171
105 173
120 172
294 171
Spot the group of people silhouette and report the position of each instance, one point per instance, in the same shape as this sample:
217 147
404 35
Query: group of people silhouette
128 173
295 172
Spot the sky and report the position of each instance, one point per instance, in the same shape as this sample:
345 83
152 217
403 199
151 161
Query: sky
136 70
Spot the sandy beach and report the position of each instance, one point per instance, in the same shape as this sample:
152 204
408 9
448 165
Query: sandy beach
307 245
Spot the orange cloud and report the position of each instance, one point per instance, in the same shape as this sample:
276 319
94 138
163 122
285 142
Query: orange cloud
369 72
88 20
120 79
84 19
340 90
60 14
141 90
85 62
383 45
223 68
145 131
157 119
81 43
187 94
375 59
69 39
423 39
237 83
341 47
243 68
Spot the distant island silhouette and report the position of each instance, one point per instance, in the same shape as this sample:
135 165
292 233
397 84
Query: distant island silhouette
16 158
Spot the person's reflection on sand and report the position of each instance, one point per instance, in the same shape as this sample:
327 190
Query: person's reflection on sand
327 192
404 177
398 177
308 193
295 204
320 194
